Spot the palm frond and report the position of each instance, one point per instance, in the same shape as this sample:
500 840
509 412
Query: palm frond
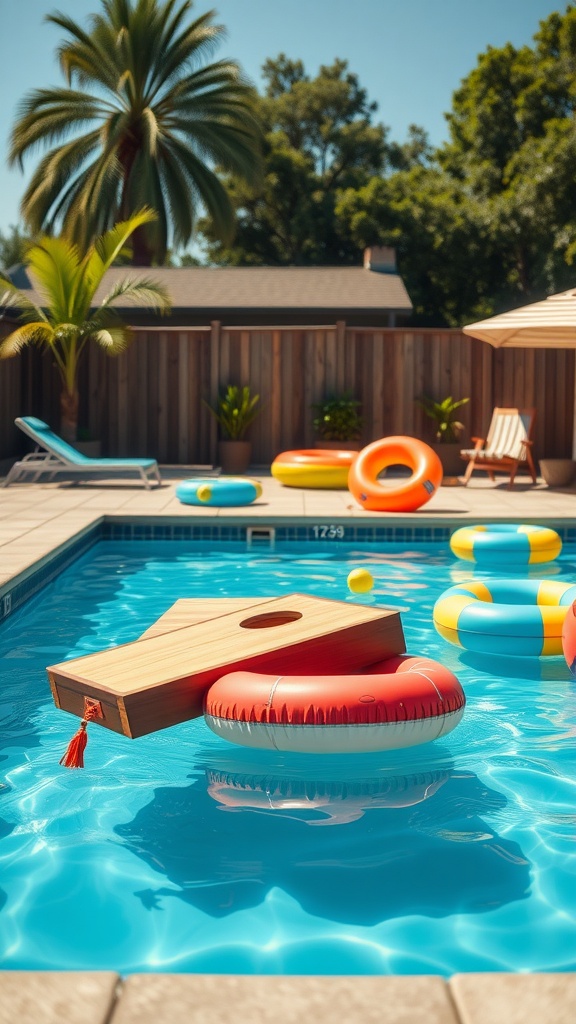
56 263
78 223
178 196
53 178
182 48
83 59
13 296
109 246
113 340
209 188
47 116
142 290
37 333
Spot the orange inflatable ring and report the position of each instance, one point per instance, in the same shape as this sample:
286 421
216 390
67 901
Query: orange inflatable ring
314 467
407 494
400 702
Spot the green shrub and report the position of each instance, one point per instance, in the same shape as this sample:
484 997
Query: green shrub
235 411
338 418
448 429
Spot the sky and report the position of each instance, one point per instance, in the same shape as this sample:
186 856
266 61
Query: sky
409 55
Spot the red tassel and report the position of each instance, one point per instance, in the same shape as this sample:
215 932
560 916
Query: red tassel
74 756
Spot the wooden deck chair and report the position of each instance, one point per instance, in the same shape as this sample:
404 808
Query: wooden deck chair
53 455
507 446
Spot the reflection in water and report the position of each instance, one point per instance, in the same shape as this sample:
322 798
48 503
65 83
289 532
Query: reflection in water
407 844
463 572
337 802
508 667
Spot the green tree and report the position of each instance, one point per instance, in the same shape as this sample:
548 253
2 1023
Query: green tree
70 317
513 144
319 140
156 121
488 221
446 254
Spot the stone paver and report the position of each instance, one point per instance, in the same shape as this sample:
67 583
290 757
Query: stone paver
249 999
515 998
56 997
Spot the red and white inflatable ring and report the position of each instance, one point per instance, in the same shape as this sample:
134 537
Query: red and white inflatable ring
399 702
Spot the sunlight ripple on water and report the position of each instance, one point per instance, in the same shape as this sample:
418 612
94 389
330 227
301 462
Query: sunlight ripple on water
181 852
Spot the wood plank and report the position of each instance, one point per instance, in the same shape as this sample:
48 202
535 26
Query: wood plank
162 385
159 681
189 610
274 413
171 397
183 373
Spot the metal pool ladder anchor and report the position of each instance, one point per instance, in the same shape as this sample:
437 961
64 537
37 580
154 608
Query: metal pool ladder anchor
260 536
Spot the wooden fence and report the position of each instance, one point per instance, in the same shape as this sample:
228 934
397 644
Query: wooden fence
150 400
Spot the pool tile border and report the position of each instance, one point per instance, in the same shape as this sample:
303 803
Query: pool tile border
237 532
16 592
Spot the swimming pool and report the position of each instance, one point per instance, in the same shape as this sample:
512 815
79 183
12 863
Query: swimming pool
180 852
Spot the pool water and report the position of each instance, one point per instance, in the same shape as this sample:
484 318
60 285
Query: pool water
181 852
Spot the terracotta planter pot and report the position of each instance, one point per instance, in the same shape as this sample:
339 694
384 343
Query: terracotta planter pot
234 456
449 455
557 472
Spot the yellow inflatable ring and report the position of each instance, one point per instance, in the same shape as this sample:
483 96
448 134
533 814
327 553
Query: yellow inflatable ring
517 617
508 543
314 467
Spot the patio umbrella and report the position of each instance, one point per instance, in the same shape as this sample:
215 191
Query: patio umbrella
547 324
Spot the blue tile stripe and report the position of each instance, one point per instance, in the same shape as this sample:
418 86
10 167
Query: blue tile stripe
13 595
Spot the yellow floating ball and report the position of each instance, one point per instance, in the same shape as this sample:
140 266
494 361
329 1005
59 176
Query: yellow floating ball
360 581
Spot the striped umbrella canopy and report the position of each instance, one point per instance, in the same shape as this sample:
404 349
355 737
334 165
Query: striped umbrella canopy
547 324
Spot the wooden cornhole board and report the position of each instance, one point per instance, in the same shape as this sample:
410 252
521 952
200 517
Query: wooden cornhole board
161 679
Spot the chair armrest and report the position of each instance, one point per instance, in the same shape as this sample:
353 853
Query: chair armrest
478 442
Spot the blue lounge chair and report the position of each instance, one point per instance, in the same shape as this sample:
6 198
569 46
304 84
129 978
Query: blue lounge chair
53 455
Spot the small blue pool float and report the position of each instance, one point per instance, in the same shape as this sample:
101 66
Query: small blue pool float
516 617
221 491
506 543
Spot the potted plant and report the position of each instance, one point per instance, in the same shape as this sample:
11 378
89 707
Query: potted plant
447 429
235 411
338 423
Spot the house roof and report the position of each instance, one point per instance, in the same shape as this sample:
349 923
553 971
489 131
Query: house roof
240 294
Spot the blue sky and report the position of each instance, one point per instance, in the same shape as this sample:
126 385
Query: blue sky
410 55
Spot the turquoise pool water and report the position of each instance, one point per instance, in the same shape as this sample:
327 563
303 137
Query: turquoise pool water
180 852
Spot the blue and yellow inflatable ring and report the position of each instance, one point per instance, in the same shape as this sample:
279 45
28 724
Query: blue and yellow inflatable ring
221 491
517 617
507 543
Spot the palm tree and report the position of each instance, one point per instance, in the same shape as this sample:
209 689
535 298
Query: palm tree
155 123
68 281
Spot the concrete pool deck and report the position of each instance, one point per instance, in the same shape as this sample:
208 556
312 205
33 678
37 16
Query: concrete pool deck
37 520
